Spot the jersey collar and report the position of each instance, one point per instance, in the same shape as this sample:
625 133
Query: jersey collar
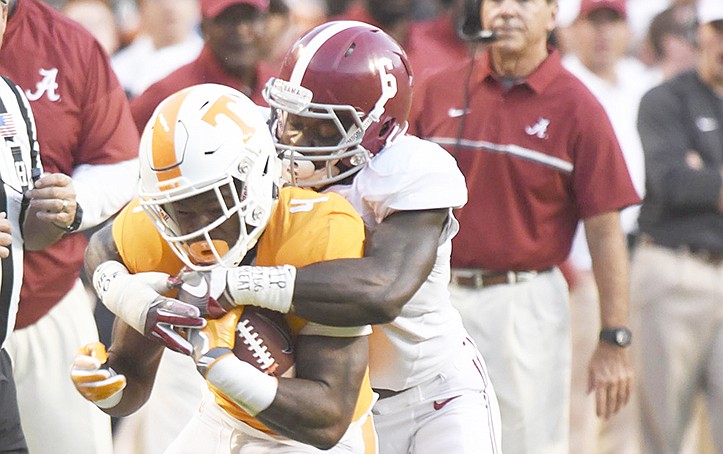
544 75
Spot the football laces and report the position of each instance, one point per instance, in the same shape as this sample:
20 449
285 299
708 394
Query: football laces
256 346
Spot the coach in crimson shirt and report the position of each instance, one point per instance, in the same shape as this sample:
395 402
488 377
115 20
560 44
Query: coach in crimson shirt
539 154
85 131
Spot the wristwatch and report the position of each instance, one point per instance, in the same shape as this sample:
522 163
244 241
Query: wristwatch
622 336
76 220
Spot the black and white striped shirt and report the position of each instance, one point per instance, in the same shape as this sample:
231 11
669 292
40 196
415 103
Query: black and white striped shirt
19 166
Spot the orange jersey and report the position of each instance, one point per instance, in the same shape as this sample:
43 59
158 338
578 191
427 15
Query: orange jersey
305 227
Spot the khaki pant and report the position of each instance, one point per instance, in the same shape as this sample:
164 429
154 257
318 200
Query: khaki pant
677 313
523 333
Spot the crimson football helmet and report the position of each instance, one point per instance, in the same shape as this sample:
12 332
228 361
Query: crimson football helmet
209 174
352 79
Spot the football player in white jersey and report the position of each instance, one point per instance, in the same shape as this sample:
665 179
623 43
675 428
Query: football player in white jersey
339 111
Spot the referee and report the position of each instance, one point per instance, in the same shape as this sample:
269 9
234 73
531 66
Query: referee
36 210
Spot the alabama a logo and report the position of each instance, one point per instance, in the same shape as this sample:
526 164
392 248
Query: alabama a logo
47 85
539 129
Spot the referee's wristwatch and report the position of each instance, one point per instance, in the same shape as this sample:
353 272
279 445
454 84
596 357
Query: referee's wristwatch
620 336
75 225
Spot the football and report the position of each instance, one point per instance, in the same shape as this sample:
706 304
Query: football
263 339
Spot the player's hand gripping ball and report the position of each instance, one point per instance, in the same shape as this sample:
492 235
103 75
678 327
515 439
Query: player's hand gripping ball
257 336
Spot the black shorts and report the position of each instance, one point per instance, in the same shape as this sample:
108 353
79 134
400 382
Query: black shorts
12 439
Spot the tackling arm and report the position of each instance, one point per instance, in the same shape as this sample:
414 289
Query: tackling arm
398 257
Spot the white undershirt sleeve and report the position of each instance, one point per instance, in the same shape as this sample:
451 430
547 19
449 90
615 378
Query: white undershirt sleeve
103 189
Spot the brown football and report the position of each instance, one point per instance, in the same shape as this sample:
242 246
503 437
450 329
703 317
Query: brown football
263 339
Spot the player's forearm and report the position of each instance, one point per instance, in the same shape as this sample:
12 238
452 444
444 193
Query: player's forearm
398 257
101 248
304 412
349 292
317 406
371 290
137 358
344 292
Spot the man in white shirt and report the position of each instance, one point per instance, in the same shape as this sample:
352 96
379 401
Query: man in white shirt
599 40
168 39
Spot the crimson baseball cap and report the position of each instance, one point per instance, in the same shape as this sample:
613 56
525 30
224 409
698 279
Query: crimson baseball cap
212 8
588 6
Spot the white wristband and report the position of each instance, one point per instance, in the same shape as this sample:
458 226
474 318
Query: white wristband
110 402
251 389
128 296
271 287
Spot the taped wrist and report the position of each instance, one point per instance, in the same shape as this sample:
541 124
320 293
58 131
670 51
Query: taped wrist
251 389
112 400
128 296
271 287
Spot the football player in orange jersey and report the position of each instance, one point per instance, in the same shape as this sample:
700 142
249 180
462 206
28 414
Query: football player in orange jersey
209 186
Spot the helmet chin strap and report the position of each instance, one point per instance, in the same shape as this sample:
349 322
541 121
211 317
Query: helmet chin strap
397 132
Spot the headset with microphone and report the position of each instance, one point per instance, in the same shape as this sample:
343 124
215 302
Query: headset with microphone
470 30
470 26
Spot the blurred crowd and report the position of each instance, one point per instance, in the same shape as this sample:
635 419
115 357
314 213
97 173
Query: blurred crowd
130 29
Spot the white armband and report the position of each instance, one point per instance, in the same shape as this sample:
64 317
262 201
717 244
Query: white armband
271 287
251 389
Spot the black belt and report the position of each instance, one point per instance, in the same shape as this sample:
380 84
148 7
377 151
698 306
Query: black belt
476 278
714 258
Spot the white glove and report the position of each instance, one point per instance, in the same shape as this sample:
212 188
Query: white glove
137 300
205 290
102 386
270 287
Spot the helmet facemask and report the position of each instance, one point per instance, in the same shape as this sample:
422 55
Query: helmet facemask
215 227
209 175
320 158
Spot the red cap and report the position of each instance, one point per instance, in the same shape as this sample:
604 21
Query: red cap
212 8
588 6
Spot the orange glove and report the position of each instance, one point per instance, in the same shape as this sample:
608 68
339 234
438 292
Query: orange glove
217 339
98 384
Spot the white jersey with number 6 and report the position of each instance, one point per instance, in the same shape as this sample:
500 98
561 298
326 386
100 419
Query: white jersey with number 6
413 174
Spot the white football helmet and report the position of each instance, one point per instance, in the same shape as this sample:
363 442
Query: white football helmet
209 174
